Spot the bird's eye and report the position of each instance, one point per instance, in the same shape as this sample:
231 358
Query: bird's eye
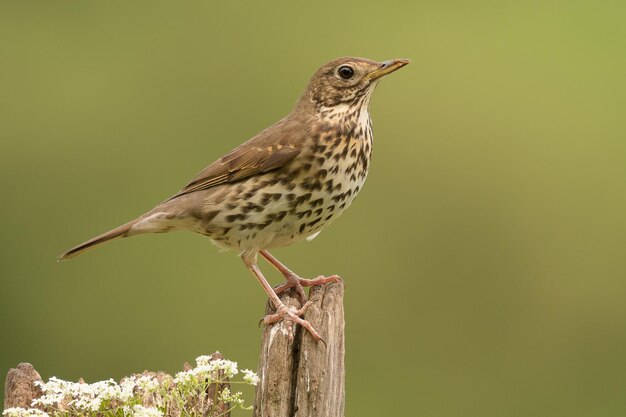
345 72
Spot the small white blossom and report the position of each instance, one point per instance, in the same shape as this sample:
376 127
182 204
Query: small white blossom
193 375
250 377
207 369
127 390
55 391
203 360
228 367
206 362
81 396
228 397
145 383
141 411
23 412
106 397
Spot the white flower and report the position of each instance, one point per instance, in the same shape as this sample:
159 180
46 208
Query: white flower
141 411
55 391
203 360
192 375
145 383
206 362
82 396
207 369
229 367
127 390
104 397
228 397
250 377
23 412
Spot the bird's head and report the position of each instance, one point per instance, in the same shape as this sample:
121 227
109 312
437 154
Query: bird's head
347 81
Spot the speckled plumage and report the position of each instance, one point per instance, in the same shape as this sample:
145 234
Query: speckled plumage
283 185
286 205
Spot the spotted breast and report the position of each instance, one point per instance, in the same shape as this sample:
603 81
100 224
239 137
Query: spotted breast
283 207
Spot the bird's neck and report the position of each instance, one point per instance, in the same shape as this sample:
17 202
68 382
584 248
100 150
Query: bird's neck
349 118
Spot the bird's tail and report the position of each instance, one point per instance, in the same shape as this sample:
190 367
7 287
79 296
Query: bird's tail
121 231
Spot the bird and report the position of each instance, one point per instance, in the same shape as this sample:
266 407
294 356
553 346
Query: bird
281 186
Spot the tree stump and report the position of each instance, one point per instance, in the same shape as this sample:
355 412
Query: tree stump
304 378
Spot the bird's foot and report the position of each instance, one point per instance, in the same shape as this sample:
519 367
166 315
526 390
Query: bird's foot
297 283
290 316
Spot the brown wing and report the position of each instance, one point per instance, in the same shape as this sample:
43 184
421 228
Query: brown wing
271 149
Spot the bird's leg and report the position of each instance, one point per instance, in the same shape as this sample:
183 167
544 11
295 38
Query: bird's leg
293 280
288 315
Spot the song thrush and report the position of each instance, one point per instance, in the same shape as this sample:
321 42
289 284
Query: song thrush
283 185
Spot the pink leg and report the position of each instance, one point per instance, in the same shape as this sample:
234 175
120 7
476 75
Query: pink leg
293 280
282 311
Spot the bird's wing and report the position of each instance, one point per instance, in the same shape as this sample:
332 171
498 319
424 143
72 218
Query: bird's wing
273 148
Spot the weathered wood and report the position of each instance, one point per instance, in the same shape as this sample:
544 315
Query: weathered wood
304 378
19 387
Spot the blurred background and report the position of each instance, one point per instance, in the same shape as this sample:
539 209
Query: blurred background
484 260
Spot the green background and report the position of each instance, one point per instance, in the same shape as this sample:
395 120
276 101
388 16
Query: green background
484 261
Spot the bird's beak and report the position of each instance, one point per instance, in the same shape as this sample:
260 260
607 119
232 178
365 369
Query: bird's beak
387 67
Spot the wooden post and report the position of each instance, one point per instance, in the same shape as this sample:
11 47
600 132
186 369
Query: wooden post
19 387
304 378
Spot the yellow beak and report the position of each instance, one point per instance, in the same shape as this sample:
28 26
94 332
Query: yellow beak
387 67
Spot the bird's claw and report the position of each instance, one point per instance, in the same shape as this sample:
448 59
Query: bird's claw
294 281
289 317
